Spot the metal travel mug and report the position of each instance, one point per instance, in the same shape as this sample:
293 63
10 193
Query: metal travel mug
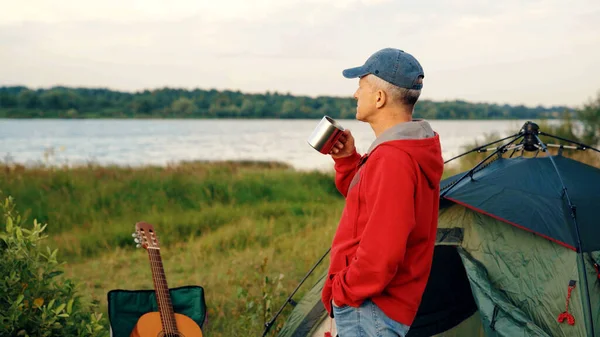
325 135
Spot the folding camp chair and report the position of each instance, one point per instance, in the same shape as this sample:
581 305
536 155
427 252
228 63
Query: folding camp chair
125 307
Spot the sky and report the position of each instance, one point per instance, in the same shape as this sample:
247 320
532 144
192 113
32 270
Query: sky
531 52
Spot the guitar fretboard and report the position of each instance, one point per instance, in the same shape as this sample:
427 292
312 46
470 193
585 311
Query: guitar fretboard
163 297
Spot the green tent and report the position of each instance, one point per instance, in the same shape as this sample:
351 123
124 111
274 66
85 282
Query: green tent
518 237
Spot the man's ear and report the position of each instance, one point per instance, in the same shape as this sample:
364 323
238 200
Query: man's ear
381 99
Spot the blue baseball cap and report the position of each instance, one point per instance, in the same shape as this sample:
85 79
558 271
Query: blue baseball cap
392 65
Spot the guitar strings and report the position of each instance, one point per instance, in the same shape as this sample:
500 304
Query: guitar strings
156 286
167 318
155 263
170 311
168 305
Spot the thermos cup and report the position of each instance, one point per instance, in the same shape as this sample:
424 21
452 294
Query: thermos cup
325 135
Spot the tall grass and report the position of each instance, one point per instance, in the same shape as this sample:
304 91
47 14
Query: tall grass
231 264
93 209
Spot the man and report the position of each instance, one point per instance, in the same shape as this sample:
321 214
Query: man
382 251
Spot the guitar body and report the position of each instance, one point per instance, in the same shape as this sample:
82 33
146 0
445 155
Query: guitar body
149 325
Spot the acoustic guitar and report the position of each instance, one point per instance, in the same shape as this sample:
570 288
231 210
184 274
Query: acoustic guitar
165 322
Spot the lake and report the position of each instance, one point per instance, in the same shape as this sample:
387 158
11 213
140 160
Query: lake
135 142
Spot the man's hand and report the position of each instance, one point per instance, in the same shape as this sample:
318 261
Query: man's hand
344 146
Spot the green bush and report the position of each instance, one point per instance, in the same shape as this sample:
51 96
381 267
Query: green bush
34 299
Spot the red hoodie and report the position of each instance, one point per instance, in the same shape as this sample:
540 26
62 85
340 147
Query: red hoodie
383 247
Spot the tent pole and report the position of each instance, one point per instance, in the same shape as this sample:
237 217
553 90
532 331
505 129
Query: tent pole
588 310
515 150
480 147
500 148
269 324
583 146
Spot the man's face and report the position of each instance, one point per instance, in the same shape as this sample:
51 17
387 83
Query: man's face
366 99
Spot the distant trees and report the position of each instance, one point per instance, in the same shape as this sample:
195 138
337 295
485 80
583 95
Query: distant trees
63 102
590 118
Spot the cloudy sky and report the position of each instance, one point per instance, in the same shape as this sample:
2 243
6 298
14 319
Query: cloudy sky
510 51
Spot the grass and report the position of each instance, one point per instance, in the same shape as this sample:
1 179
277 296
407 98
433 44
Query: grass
230 264
90 210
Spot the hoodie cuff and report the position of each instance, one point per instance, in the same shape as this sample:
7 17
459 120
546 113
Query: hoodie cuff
347 163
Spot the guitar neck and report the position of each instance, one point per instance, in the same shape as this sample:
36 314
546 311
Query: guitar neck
163 297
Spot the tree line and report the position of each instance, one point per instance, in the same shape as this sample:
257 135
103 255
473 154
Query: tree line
65 102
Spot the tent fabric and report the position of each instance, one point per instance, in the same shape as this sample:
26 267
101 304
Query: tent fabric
528 193
449 236
125 307
594 288
533 272
307 314
471 327
501 318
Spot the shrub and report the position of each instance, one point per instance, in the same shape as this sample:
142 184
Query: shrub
34 299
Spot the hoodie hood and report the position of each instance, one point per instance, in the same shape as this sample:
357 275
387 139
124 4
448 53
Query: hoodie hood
418 139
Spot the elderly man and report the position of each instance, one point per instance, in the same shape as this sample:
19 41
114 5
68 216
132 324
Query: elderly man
382 251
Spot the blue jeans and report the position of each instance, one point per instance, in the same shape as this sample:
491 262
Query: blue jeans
366 321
